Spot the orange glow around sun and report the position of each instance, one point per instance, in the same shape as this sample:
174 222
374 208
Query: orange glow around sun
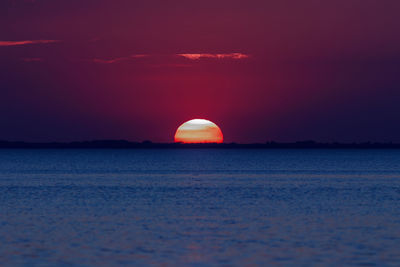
199 131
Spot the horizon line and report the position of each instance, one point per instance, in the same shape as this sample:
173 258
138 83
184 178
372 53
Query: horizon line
125 144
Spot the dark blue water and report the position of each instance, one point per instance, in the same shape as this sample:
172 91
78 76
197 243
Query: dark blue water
199 207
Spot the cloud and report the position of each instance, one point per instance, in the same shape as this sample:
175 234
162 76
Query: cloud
118 59
26 42
217 56
188 56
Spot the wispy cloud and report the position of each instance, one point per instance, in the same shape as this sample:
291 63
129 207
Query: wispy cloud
216 56
118 59
188 56
26 42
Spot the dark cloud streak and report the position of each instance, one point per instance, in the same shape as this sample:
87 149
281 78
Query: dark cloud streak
26 42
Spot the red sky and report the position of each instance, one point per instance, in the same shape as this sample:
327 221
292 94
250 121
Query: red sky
282 70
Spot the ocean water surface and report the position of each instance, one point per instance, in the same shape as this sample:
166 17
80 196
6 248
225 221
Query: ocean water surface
203 207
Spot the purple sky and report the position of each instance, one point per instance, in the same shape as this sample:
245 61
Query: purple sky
282 70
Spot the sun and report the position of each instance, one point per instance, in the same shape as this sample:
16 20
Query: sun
199 131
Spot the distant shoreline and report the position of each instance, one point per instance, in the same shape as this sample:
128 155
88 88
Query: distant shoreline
123 144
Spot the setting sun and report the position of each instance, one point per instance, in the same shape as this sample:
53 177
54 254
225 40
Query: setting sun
198 131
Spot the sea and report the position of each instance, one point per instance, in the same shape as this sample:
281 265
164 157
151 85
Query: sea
199 207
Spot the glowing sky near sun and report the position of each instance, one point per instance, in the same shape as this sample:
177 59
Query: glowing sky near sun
264 70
